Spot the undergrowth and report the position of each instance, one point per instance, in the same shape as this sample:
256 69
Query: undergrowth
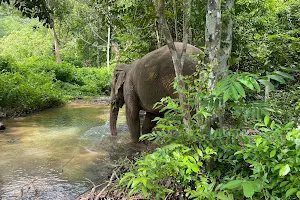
40 82
254 156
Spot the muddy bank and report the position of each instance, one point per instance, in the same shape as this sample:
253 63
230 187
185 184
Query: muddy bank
97 100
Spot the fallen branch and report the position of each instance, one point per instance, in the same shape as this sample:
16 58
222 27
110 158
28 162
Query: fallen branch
108 185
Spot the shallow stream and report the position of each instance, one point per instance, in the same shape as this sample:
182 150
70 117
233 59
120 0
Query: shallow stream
57 153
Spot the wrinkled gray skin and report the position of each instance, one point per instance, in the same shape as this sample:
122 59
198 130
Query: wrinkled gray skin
143 83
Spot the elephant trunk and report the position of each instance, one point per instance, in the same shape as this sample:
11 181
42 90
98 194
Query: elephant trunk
114 111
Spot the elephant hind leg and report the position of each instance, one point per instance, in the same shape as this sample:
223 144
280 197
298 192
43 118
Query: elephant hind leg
148 124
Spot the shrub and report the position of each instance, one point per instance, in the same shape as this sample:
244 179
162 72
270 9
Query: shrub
22 93
40 82
76 82
227 163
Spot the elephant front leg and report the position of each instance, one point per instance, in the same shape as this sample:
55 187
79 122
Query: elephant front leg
148 124
133 120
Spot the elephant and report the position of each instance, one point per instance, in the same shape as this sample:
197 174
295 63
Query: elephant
144 82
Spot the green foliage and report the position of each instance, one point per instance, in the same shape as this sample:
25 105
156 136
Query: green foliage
32 8
41 82
227 163
286 102
274 159
25 91
175 162
76 82
25 38
266 36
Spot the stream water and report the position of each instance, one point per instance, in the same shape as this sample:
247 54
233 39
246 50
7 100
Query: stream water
57 153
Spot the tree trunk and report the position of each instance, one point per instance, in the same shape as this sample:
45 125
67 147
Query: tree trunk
108 46
56 43
178 61
190 41
226 41
160 9
115 50
157 34
213 40
186 26
175 20
98 58
267 91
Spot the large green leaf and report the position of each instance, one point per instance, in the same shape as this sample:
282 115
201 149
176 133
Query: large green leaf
249 188
255 84
290 192
284 170
223 85
227 94
298 194
246 82
277 78
286 75
234 92
232 184
266 83
222 196
272 153
240 89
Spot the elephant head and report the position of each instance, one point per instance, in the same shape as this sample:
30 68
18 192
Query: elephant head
117 96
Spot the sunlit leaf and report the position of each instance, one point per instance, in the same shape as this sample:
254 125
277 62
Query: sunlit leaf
284 170
232 184
272 153
290 192
247 83
267 120
222 196
249 188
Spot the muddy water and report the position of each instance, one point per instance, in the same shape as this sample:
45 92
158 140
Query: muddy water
57 153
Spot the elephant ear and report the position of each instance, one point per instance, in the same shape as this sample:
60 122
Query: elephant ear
120 80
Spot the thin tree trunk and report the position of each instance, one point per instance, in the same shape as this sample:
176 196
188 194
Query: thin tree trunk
190 36
178 61
169 40
186 26
175 20
157 35
98 58
108 46
213 39
226 45
115 50
267 91
56 43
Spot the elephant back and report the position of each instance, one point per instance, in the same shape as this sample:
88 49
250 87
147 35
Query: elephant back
154 74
